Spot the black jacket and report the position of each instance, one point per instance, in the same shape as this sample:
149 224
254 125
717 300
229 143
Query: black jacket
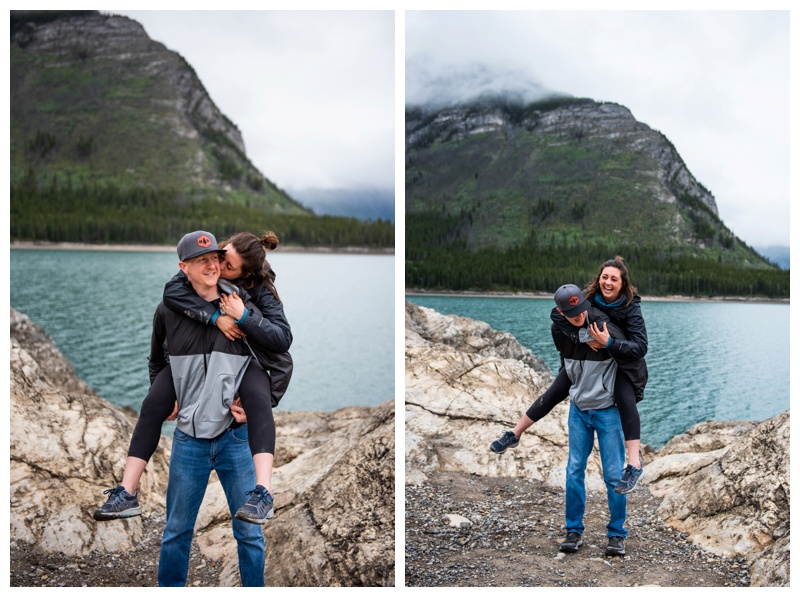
266 329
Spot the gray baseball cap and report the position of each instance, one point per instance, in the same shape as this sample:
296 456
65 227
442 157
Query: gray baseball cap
569 298
197 243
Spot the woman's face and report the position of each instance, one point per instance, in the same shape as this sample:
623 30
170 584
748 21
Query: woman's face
230 264
610 284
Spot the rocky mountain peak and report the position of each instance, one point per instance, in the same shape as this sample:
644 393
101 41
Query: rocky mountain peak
562 120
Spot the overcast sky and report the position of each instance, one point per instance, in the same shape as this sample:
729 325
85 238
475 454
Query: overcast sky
715 83
311 92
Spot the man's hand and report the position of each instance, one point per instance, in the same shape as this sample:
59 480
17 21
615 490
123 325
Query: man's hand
228 326
238 412
174 414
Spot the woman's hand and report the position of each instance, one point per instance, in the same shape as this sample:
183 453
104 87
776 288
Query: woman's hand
228 326
174 414
238 412
232 305
599 335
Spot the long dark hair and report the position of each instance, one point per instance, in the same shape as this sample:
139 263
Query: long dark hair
256 270
627 289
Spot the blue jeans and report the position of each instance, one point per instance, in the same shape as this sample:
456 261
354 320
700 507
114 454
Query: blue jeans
582 427
190 465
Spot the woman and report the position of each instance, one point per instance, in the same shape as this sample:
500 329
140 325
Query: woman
269 337
612 292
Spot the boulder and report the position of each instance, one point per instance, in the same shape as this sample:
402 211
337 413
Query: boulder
732 500
67 445
466 384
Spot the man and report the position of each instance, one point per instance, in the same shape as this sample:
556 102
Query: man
592 411
206 368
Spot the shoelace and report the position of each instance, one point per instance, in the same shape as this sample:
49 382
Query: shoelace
262 494
116 494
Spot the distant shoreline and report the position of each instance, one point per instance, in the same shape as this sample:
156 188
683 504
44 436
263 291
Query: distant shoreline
543 295
42 245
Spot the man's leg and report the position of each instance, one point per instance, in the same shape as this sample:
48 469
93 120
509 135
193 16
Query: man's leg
581 441
611 441
189 469
235 470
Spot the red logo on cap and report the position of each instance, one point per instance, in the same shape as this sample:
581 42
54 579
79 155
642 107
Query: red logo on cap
574 300
204 241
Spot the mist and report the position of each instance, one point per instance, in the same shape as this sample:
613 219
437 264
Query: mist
437 85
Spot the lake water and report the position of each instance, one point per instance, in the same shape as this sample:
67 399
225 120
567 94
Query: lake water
706 361
98 307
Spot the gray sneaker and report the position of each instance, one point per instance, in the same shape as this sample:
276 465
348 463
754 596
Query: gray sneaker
258 508
120 504
630 477
507 440
571 543
616 546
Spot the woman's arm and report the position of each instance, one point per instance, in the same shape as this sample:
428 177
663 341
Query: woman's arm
181 297
265 326
270 330
635 344
159 357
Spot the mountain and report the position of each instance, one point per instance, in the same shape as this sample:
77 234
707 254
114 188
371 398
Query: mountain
561 183
115 138
361 203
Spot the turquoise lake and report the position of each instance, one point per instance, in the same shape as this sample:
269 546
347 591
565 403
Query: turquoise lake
98 307
707 360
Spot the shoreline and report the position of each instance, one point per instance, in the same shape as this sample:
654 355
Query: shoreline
53 246
542 295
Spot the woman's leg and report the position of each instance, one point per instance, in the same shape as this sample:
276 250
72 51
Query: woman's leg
254 392
157 406
625 397
558 391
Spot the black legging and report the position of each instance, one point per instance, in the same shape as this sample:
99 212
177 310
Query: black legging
160 401
624 396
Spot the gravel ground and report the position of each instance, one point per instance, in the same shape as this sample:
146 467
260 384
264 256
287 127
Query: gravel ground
515 531
139 568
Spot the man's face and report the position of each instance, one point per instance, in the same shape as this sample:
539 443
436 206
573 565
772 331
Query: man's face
578 320
202 271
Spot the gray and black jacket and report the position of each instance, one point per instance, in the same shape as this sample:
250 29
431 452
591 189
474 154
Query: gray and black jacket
266 328
207 369
592 373
628 348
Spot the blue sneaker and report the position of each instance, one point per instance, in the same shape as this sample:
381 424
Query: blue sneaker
120 504
508 440
258 508
630 477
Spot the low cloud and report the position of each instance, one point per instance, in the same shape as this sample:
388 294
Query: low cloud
437 84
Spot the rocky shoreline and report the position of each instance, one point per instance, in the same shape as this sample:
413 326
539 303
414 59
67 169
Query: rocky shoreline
712 509
514 528
75 447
